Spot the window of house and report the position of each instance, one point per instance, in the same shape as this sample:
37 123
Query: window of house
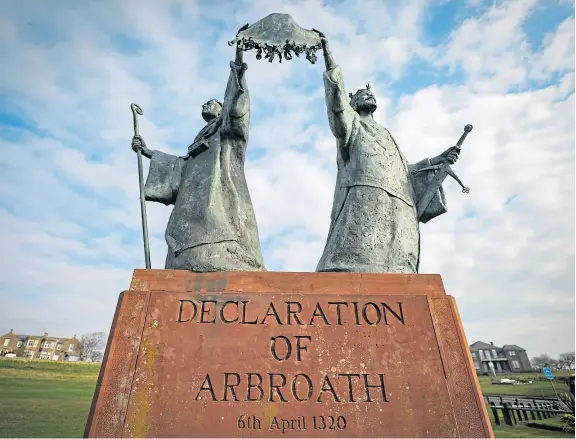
473 354
6 342
515 365
481 354
71 348
30 343
512 353
58 347
494 353
488 354
28 353
45 355
19 344
49 344
476 365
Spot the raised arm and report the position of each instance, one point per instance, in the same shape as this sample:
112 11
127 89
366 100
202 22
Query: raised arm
236 107
340 113
328 59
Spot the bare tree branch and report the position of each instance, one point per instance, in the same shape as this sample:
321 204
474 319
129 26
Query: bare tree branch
566 360
91 346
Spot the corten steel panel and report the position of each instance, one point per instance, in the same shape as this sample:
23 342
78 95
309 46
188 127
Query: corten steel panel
430 391
463 384
175 358
111 396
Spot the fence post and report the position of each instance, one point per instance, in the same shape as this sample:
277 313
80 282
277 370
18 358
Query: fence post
544 413
532 413
495 413
516 413
506 414
536 407
525 413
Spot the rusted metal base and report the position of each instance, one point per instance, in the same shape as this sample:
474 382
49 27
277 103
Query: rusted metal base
262 354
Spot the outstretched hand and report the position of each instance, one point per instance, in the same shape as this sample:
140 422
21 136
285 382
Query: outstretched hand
323 39
239 52
328 60
246 26
320 34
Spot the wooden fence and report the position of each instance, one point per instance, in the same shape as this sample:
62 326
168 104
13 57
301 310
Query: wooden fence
499 398
513 413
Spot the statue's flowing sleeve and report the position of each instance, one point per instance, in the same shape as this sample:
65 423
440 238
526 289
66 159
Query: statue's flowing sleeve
236 106
340 112
164 178
420 182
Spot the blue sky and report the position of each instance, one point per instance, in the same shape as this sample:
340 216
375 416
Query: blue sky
69 212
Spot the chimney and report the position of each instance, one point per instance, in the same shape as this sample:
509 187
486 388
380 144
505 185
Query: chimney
11 331
492 343
45 334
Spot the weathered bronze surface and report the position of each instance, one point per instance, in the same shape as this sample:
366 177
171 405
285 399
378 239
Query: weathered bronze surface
287 354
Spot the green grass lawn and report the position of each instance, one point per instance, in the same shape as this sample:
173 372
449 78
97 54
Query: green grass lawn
52 399
525 431
536 389
45 398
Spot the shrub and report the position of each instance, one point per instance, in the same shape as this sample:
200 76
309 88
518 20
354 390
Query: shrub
566 401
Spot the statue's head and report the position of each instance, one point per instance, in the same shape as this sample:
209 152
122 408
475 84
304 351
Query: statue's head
363 100
211 110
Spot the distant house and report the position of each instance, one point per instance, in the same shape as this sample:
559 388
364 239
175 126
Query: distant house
39 347
507 359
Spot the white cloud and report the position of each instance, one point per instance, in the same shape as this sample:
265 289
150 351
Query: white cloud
70 208
558 52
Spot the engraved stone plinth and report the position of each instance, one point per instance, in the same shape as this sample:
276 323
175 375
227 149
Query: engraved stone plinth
261 354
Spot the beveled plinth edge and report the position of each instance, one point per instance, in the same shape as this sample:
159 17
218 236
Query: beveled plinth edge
281 282
112 393
463 386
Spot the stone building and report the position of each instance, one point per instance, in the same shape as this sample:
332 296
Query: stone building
506 359
40 347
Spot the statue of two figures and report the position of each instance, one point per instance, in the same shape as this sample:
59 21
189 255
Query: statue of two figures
379 198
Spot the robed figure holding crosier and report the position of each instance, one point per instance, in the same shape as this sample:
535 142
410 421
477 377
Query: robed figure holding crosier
212 226
374 222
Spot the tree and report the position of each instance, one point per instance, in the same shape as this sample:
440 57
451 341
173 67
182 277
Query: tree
91 345
543 361
97 356
566 360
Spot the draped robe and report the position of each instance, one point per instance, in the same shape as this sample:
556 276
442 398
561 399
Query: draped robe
212 226
374 225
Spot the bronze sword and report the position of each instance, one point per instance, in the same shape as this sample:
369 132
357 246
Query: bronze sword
443 170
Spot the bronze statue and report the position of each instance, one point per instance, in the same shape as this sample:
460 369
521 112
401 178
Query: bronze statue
212 226
374 221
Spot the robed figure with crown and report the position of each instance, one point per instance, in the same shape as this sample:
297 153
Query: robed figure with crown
374 222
